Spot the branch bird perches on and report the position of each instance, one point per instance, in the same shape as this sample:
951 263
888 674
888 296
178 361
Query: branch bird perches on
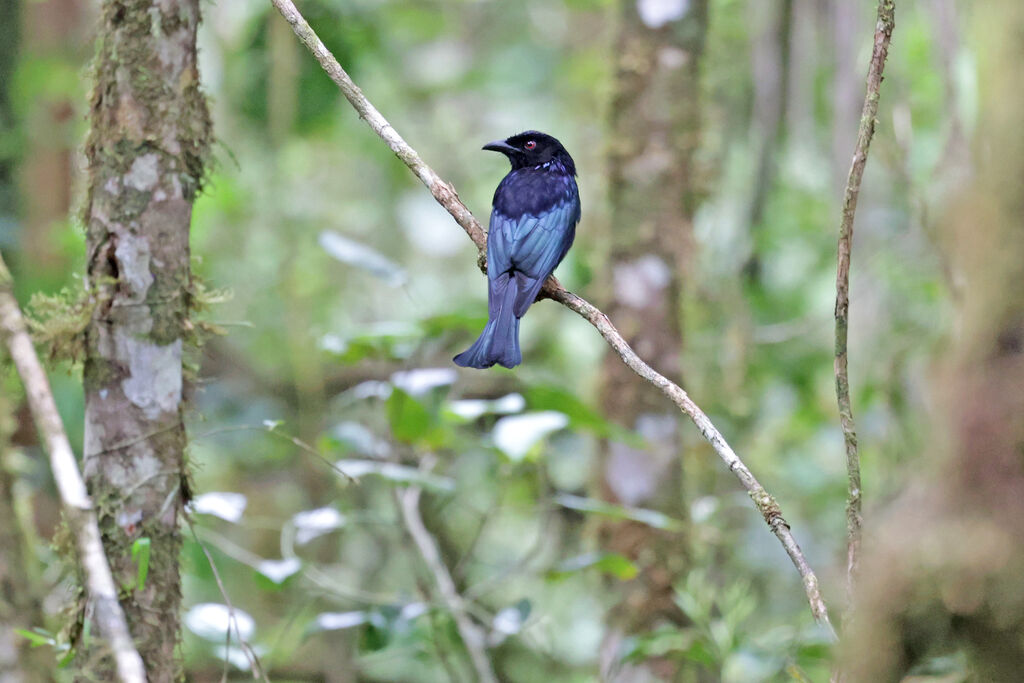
446 195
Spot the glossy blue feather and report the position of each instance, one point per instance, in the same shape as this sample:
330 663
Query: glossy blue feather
533 223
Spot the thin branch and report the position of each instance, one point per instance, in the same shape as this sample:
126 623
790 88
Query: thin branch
883 33
445 194
78 510
472 636
247 650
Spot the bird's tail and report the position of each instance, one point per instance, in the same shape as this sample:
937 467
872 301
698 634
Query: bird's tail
499 342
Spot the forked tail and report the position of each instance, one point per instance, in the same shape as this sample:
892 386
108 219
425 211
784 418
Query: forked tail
499 342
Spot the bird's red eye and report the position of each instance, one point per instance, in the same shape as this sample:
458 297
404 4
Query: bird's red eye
530 145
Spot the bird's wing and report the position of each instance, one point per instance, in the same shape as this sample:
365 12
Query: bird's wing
500 242
540 244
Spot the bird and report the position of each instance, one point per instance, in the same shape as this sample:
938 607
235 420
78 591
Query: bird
533 223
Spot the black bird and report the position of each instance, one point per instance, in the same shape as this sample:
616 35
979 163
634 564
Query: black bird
533 221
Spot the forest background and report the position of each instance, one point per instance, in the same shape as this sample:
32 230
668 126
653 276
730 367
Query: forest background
587 528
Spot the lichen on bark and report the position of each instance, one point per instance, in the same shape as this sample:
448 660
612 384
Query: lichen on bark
147 149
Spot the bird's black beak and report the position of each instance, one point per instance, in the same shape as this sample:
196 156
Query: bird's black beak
500 146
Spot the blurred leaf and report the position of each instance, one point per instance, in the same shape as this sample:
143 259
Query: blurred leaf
375 636
394 472
797 674
356 254
279 570
700 652
396 341
581 416
311 524
517 434
227 505
357 437
509 621
651 518
610 563
140 556
211 621
336 621
409 419
617 565
664 641
555 398
69 656
236 656
470 409
37 637
421 380
721 635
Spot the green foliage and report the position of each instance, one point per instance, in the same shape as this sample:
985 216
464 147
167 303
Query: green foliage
140 556
294 372
612 564
40 637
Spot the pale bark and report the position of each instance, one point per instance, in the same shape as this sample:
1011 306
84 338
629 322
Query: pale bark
148 140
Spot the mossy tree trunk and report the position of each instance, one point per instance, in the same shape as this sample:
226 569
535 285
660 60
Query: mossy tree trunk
149 134
655 129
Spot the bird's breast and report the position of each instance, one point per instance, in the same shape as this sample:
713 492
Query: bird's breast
533 191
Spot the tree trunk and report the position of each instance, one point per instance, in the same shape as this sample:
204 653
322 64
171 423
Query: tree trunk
655 130
150 130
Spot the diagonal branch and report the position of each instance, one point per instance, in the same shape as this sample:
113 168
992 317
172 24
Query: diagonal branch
78 509
883 32
445 194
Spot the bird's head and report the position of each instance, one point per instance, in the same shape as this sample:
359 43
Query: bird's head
532 148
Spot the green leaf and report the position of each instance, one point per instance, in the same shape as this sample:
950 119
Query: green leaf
140 556
618 566
409 419
37 637
664 641
610 563
66 660
581 416
700 652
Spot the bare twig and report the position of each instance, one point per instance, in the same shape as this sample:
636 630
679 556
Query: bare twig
78 510
250 654
472 636
445 195
883 32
